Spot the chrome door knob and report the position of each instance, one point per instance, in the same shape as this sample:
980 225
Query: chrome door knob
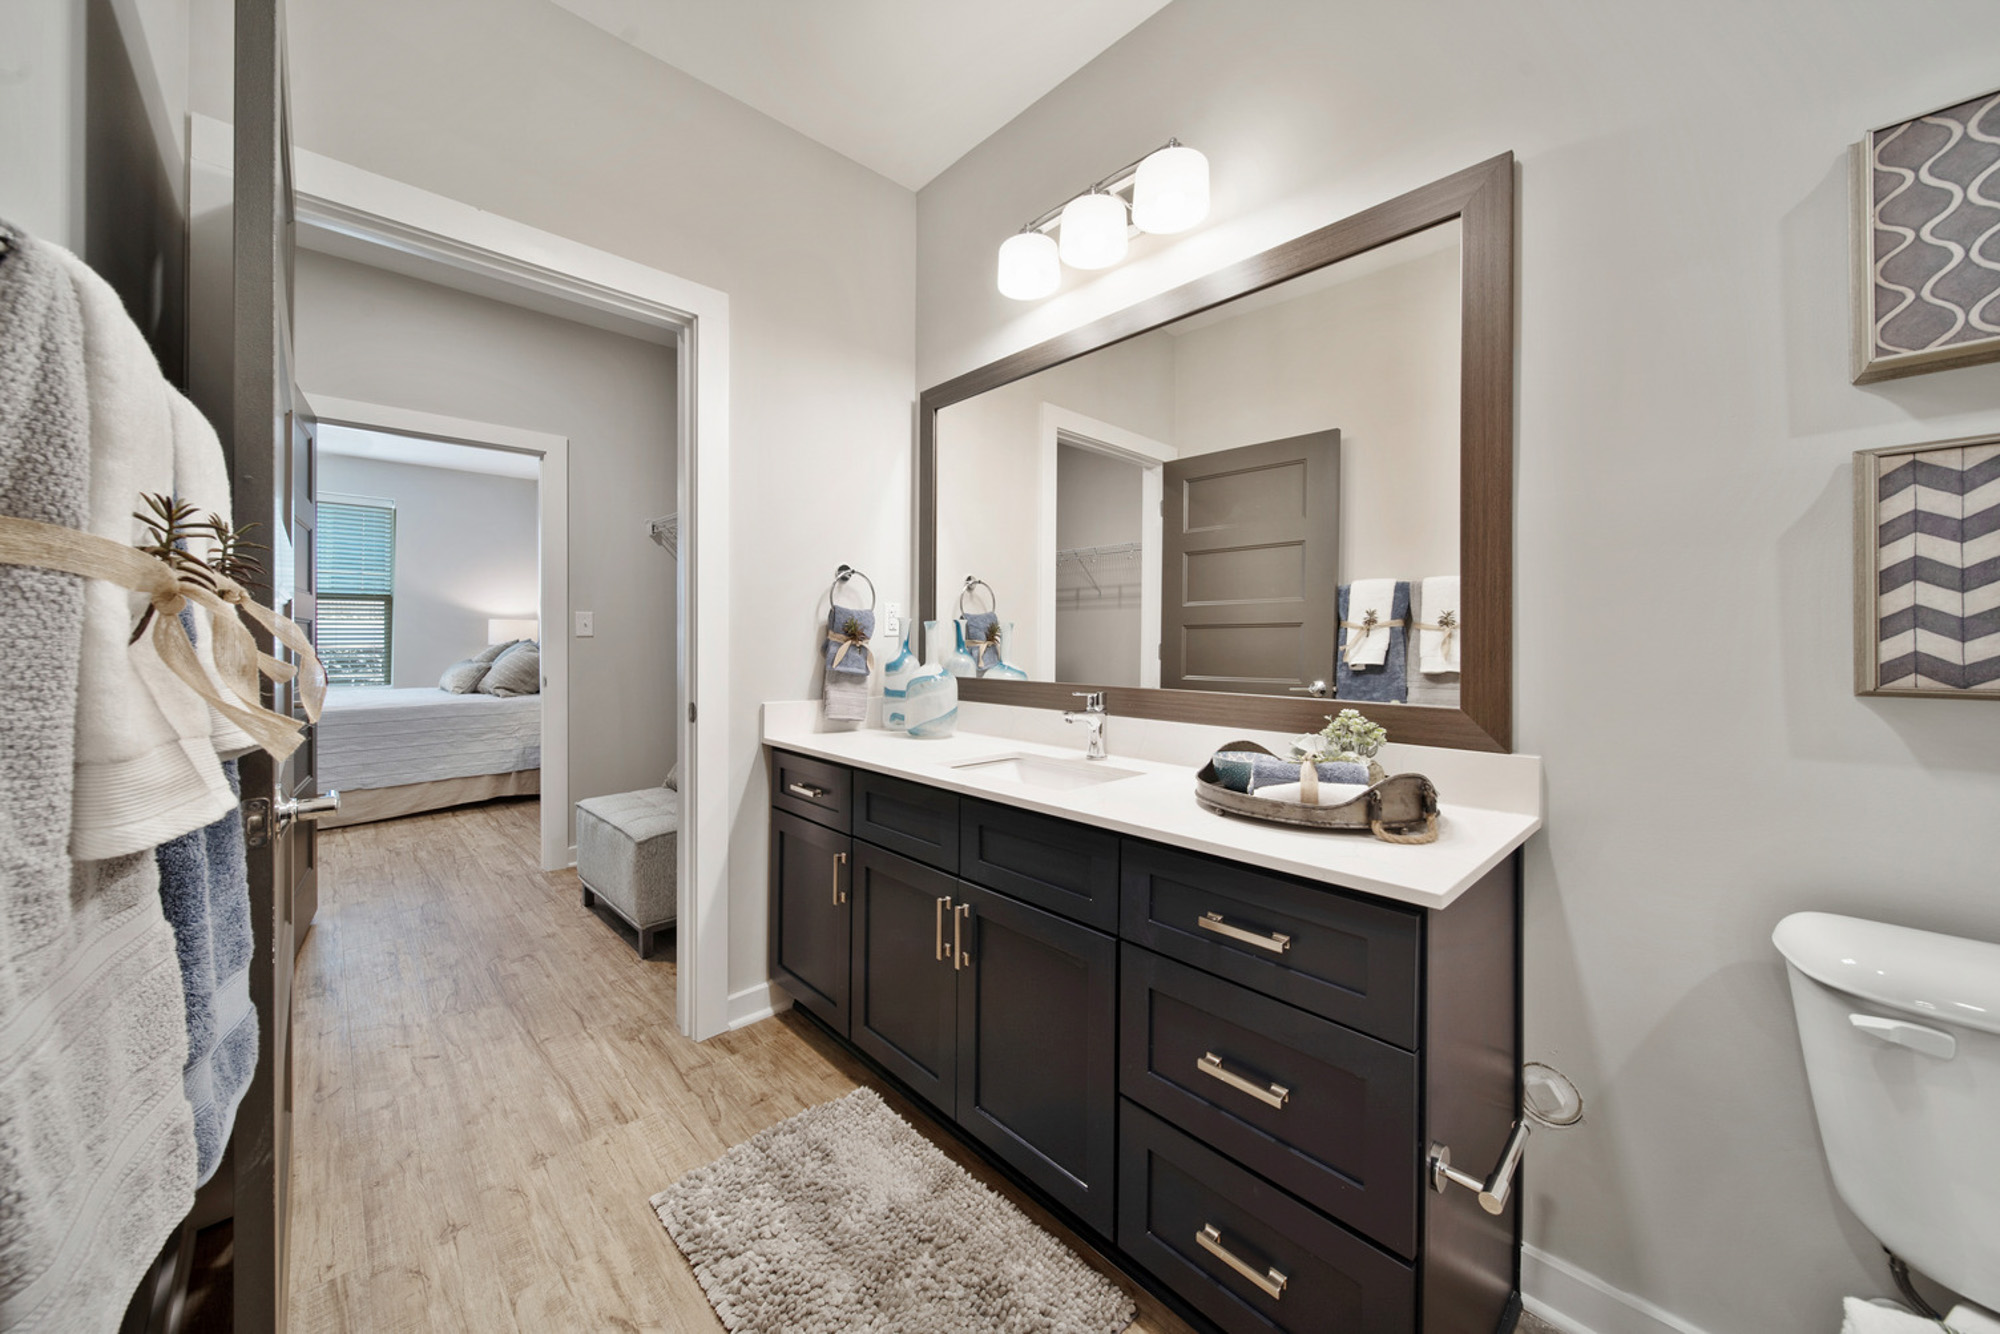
309 809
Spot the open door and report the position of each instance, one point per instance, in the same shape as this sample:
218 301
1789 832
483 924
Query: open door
273 476
1250 574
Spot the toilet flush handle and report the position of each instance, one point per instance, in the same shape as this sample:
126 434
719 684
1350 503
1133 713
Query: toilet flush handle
1916 1037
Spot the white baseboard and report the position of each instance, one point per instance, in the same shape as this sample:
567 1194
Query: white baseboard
1582 1303
571 854
753 1003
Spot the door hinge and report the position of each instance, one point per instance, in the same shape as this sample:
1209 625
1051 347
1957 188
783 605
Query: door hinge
257 822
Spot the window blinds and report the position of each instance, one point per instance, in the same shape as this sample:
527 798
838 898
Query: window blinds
356 554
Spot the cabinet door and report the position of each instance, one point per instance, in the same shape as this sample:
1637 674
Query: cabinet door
809 916
1037 1047
905 987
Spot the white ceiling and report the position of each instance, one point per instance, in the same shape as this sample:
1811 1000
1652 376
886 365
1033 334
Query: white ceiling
904 87
384 447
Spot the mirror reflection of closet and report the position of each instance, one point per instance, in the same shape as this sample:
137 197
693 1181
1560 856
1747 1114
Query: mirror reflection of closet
1179 509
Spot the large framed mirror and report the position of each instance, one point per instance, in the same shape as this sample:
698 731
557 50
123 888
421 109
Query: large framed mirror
1280 490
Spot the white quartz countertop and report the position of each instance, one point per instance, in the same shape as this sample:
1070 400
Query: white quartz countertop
1158 804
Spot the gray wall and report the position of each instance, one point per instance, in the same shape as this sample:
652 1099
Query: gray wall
466 551
382 338
1685 430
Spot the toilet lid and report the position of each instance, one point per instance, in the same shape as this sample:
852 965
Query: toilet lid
1938 977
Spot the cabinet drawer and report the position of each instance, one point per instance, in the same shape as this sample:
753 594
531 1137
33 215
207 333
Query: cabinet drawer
919 822
1292 1269
811 789
1330 1112
1060 865
1342 957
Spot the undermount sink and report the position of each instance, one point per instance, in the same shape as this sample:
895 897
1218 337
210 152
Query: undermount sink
1046 771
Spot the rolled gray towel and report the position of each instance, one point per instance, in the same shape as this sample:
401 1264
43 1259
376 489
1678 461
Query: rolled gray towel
855 661
1246 770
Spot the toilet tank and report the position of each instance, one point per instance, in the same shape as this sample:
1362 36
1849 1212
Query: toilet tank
1901 1031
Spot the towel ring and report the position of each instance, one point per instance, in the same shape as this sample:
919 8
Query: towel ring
972 582
840 579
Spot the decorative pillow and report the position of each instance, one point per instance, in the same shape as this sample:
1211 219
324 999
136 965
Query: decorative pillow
493 651
462 678
518 671
673 783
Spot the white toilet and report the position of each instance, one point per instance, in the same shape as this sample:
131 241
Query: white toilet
1901 1031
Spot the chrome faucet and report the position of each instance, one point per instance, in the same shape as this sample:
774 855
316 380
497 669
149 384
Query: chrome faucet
1094 717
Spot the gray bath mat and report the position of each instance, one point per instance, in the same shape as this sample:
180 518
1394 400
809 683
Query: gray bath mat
844 1218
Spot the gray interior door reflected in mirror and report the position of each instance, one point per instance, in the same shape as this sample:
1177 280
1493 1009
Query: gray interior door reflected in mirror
1178 503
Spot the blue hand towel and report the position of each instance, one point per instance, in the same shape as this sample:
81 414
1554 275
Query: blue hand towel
1388 683
1246 771
855 662
205 891
979 626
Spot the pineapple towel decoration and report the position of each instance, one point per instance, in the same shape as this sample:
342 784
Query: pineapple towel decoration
848 659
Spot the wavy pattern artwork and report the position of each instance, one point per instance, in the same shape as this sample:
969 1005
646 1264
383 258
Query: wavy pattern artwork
1935 212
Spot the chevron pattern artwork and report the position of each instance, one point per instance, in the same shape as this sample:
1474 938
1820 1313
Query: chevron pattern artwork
1937 569
1931 282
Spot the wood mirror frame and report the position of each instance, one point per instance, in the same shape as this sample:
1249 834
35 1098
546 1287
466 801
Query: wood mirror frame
1482 198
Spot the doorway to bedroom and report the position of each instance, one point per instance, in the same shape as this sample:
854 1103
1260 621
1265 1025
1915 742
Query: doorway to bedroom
430 578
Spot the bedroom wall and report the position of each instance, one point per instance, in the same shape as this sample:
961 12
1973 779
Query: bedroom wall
1684 440
466 550
379 337
519 107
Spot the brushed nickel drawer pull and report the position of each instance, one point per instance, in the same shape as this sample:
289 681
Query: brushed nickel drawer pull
1270 1282
1273 1094
1277 941
839 860
806 790
943 906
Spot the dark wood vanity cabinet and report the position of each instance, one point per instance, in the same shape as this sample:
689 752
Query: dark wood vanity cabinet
1230 1078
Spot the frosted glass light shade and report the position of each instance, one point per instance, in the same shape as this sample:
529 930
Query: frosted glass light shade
1093 231
1029 266
1170 193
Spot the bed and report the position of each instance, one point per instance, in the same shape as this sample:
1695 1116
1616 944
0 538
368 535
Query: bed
392 751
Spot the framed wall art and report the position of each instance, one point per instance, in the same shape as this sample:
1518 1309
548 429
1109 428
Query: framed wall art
1927 242
1927 570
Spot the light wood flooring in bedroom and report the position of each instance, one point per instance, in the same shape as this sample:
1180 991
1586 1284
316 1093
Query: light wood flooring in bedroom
490 1086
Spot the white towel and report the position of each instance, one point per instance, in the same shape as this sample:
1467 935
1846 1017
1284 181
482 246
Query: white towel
201 479
146 766
1436 652
1865 1317
98 1164
1330 794
1363 596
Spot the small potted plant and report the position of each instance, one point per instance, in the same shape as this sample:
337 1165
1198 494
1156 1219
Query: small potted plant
1346 736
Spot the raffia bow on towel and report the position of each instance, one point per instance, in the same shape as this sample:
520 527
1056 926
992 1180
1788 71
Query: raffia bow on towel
238 660
1367 625
1446 622
852 639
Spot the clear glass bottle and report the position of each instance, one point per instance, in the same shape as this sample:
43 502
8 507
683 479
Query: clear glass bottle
930 697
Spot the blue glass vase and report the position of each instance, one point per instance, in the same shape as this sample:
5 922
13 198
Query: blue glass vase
958 661
930 697
1005 669
895 685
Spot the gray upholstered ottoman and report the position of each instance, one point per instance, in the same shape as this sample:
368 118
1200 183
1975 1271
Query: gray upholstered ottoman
625 853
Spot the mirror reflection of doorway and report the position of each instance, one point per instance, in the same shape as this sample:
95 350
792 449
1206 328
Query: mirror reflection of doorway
1100 557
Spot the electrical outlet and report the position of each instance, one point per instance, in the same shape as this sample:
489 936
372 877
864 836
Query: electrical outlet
586 625
892 621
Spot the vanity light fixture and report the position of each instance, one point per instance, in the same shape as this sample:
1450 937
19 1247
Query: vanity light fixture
1164 192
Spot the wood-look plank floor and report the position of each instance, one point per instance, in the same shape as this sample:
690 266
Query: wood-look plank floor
489 1087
